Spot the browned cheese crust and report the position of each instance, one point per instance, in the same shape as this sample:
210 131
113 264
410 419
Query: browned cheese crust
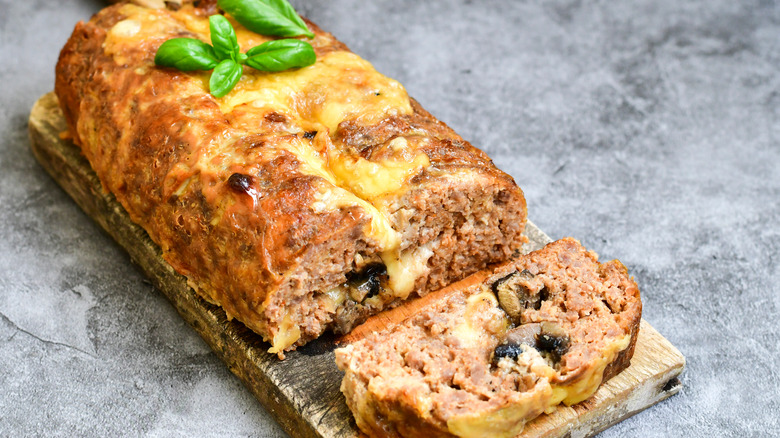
472 362
253 201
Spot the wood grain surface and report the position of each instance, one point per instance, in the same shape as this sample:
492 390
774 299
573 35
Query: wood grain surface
302 392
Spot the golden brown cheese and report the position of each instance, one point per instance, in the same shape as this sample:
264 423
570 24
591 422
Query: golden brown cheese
272 198
339 86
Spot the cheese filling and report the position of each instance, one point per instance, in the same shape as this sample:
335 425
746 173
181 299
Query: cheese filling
403 270
509 420
469 331
589 383
287 334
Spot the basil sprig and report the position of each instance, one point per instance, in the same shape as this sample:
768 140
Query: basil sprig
224 57
267 17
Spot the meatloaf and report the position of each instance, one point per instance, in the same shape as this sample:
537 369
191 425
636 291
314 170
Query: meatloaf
301 201
491 352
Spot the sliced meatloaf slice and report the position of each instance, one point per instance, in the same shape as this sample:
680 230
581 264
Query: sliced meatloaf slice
487 354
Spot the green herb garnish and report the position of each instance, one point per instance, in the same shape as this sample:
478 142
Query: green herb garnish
279 55
224 77
186 54
267 17
223 54
223 37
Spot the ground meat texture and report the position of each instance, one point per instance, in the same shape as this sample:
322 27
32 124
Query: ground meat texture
461 366
245 197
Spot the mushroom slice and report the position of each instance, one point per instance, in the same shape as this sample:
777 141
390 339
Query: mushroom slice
517 291
524 334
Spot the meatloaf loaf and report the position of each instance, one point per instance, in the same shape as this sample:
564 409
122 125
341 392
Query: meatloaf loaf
301 201
486 355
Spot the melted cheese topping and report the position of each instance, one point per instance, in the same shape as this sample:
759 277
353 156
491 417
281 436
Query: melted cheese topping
340 86
334 198
141 25
370 179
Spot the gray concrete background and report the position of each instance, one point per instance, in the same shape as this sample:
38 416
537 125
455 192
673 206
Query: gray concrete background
650 130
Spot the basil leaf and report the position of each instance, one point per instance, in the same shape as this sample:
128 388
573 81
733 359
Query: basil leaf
280 55
286 9
267 17
223 37
224 77
186 54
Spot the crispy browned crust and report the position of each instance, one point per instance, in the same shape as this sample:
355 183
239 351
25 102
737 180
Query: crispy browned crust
623 360
262 252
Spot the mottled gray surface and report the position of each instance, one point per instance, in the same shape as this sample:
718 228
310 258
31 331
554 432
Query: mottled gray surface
650 130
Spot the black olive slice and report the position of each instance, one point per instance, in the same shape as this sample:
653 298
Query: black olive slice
366 283
554 340
512 351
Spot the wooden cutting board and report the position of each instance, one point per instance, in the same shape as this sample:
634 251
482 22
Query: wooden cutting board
302 392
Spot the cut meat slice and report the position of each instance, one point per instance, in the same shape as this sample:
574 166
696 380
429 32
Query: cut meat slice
466 364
